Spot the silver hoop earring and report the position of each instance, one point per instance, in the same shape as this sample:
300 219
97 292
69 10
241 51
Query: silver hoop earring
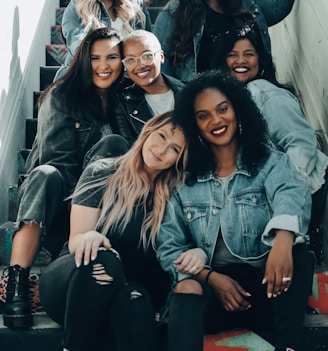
240 129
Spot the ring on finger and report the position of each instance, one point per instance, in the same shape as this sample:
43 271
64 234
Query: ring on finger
193 269
286 279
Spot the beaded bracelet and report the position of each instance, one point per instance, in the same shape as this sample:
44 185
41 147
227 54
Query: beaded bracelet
208 275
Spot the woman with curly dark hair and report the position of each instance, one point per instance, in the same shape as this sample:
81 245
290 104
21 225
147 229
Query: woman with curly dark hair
248 209
188 29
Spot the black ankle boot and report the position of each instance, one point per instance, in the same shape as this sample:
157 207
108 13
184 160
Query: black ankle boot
17 313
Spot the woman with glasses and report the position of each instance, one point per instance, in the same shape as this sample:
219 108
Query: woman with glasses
82 16
150 93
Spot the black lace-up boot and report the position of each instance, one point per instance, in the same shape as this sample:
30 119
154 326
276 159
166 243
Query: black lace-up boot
17 313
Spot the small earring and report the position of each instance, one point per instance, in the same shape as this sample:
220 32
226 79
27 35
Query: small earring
240 129
201 140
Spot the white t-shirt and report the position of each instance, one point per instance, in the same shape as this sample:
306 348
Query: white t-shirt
160 103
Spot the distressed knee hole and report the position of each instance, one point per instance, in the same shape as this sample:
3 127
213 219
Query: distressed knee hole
100 275
135 294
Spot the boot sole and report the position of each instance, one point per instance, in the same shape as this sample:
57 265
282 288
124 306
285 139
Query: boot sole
18 321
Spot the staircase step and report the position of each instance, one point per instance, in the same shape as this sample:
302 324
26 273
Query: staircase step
36 95
47 75
59 14
45 335
55 54
57 35
64 3
31 125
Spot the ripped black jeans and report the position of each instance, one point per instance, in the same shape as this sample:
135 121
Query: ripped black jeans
97 307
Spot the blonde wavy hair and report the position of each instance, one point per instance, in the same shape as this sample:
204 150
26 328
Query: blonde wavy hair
129 11
129 187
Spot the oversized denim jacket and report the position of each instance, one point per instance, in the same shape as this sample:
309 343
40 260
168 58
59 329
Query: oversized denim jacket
63 139
275 198
265 12
73 29
289 130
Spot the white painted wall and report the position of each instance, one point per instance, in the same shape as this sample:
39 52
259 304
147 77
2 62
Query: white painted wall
300 50
25 28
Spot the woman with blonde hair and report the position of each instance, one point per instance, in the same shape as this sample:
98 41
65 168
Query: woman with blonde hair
82 16
108 281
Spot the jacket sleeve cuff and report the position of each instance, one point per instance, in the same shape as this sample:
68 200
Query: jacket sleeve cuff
284 222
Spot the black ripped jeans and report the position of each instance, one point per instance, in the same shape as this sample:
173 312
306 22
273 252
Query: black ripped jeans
97 307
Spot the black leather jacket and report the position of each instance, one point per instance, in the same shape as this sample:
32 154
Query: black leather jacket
131 110
64 138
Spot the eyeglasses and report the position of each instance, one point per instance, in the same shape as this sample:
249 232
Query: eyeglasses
147 58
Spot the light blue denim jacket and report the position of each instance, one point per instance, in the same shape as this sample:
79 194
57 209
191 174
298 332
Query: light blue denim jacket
289 131
73 29
275 198
265 12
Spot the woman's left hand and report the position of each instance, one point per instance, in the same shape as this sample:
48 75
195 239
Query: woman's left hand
191 262
279 267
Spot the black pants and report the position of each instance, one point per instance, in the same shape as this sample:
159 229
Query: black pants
97 306
283 316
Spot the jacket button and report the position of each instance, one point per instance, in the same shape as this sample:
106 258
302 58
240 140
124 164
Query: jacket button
77 125
135 112
215 212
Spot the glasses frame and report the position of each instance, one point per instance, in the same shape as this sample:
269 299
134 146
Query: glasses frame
134 65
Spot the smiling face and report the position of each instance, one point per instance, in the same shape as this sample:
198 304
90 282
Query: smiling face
144 75
243 61
162 149
105 62
215 118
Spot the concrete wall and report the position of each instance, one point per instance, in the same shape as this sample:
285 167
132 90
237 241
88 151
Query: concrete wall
25 28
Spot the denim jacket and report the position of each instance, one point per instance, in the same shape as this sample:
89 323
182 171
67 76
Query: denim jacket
289 131
265 12
63 139
253 206
131 110
73 29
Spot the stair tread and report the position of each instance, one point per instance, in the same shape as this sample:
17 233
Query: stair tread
41 321
316 320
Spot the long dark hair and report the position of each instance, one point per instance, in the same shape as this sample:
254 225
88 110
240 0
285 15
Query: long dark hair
77 83
252 136
246 28
187 18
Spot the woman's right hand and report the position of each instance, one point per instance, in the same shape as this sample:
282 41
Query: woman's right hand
88 247
232 296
